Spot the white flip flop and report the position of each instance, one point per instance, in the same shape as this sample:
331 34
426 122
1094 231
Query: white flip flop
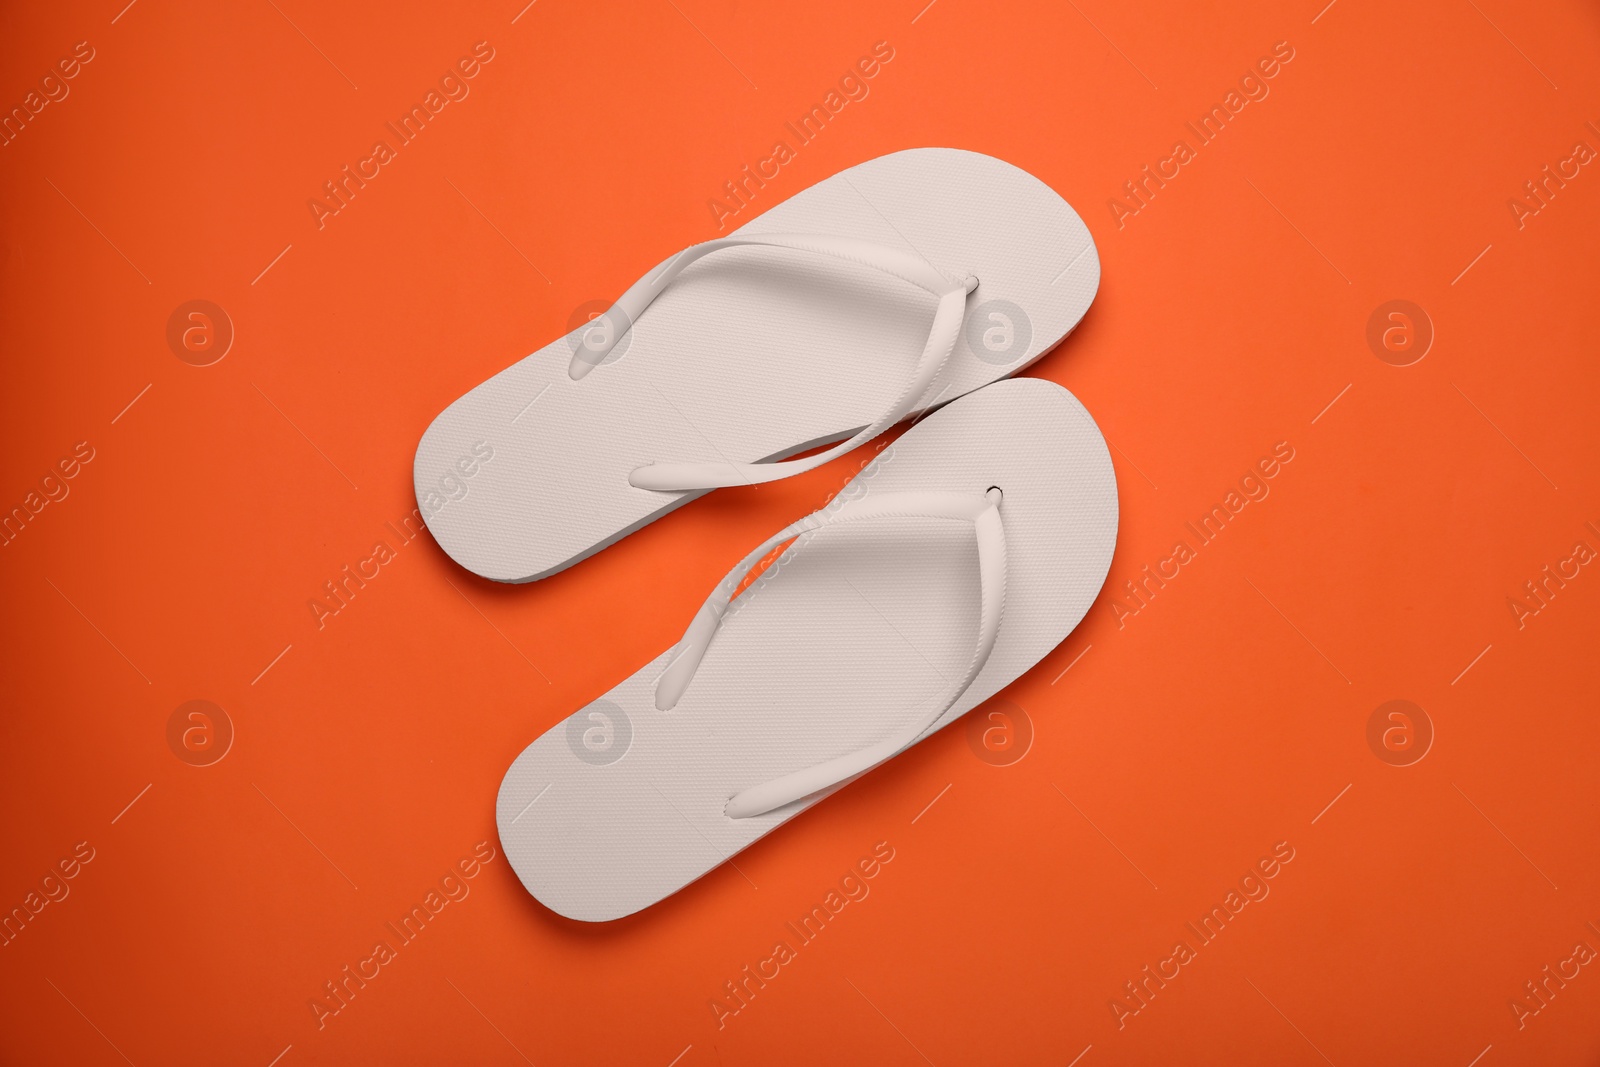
950 566
894 286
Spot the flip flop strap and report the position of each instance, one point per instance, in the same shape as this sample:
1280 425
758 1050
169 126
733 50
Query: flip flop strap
984 514
680 477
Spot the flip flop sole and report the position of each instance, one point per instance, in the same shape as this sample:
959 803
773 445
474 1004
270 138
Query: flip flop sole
846 638
753 354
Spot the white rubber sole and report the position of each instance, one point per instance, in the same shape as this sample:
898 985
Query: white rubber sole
842 641
753 354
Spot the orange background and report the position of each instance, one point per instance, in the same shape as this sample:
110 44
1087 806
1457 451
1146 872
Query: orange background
1223 718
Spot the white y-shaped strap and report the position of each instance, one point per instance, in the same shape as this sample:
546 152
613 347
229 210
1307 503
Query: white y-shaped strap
678 477
984 514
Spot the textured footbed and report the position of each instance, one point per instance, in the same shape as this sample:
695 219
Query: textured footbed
854 632
752 354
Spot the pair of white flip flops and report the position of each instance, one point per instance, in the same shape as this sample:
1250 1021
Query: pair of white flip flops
947 568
